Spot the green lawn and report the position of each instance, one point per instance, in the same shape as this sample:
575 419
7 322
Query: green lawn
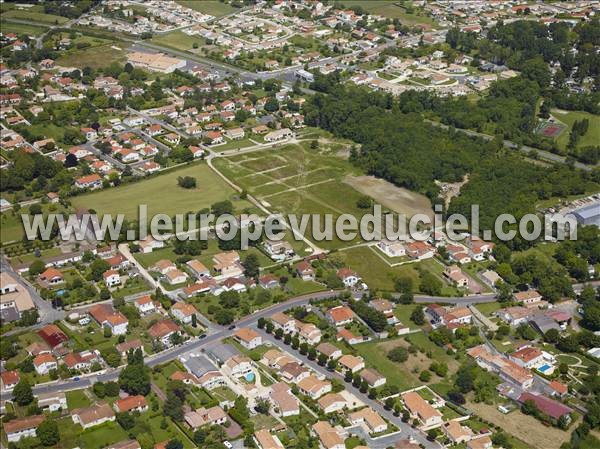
592 137
390 9
235 144
77 399
94 57
11 227
212 7
177 39
20 28
33 16
100 436
161 194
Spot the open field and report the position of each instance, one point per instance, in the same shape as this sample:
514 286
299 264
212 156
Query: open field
162 194
592 137
296 180
212 7
19 28
94 57
522 426
390 9
177 40
33 16
11 227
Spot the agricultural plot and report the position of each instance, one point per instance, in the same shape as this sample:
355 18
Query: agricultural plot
296 180
212 7
592 137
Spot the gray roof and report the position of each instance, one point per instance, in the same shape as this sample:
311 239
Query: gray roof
588 214
544 323
198 365
221 352
9 314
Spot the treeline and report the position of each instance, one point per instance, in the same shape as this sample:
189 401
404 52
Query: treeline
580 127
403 149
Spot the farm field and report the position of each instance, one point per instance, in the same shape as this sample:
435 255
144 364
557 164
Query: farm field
177 40
94 57
524 427
33 16
212 7
390 9
19 28
296 180
162 194
592 137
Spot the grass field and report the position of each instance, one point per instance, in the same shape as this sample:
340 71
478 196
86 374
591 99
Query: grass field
592 137
212 7
296 180
94 57
524 427
11 227
33 16
177 40
390 9
162 194
19 28
77 399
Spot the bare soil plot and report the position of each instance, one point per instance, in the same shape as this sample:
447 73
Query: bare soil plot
395 198
524 427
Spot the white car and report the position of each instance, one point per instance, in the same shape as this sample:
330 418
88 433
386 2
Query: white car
227 444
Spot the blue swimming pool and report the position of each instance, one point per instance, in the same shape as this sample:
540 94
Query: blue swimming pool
250 377
544 368
60 292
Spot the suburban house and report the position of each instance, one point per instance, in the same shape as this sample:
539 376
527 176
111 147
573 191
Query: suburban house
228 264
373 378
340 315
392 248
528 297
163 331
284 402
145 305
305 271
198 269
554 409
279 134
93 416
93 181
238 366
369 418
52 401
9 379
348 277
183 312
205 417
456 432
282 321
175 277
44 363
22 427
386 307
135 403
419 408
52 335
111 278
331 351
81 361
132 345
332 402
529 357
456 276
248 338
515 315
329 437
352 363
51 277
308 333
149 244
265 440
349 337
507 369
314 387
105 315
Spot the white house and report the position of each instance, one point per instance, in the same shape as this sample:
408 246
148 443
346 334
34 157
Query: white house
112 278
248 338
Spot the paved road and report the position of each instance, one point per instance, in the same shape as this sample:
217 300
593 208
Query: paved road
47 313
406 430
173 353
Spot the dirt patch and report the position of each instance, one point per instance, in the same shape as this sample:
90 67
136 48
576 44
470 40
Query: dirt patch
395 198
451 189
524 427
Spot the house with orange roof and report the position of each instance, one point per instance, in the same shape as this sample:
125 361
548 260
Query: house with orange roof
145 305
282 321
105 315
9 379
136 403
340 315
248 338
112 278
314 387
420 409
349 277
527 357
163 331
368 418
51 277
183 312
351 362
349 337
44 363
329 437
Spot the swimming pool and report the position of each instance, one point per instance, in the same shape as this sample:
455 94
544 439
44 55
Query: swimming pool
545 367
250 377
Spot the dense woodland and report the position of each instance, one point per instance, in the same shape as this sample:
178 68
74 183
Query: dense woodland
407 151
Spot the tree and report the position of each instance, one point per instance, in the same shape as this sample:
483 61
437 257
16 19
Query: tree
97 269
398 354
125 420
173 406
417 316
251 266
48 432
174 444
22 393
364 202
425 376
187 182
552 336
135 379
529 407
37 266
71 161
